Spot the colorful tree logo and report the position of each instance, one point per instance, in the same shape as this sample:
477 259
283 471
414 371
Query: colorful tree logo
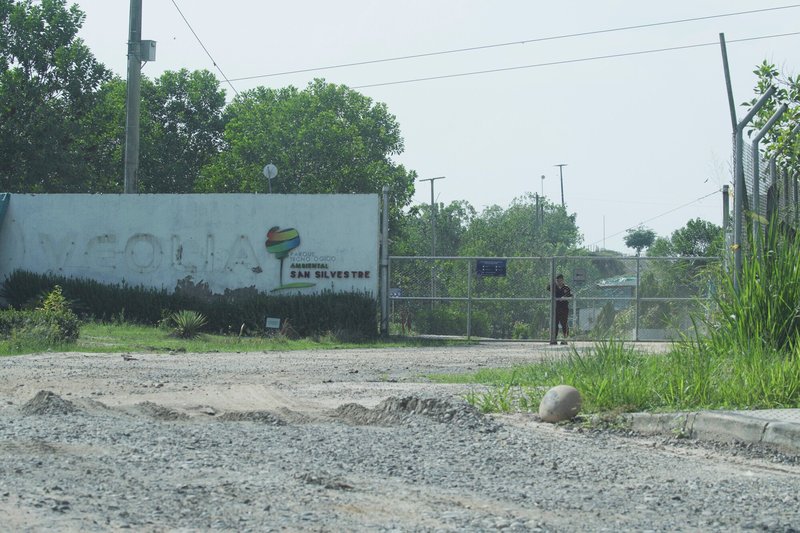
280 242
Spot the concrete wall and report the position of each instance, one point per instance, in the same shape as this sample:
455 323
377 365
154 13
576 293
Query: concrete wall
218 239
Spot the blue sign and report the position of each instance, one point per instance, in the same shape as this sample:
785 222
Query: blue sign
491 267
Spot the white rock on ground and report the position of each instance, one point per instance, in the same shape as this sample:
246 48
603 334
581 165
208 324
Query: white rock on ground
562 402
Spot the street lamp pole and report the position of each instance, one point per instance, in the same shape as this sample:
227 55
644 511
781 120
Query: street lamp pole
561 174
542 185
433 215
433 239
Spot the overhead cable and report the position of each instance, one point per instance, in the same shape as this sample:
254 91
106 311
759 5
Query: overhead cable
665 213
204 48
514 43
568 61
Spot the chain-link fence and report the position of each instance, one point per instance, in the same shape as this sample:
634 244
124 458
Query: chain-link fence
625 298
765 184
771 195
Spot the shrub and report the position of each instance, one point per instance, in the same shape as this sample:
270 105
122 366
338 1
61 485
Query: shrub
187 324
354 313
447 319
39 326
55 302
521 331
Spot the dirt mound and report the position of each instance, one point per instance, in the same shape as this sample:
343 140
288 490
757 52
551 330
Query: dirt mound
48 403
159 412
395 411
262 417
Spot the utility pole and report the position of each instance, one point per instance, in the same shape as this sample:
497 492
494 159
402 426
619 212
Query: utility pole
138 51
604 232
561 175
133 97
433 215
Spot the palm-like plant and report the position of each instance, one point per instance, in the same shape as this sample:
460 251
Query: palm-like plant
187 324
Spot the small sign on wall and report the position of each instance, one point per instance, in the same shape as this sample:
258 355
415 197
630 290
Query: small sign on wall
273 323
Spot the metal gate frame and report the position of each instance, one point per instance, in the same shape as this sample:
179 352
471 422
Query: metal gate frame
469 299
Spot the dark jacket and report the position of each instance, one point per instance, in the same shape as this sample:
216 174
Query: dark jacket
562 292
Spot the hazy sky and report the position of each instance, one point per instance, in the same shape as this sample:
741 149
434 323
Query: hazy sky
644 136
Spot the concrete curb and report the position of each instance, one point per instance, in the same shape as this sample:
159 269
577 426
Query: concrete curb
719 426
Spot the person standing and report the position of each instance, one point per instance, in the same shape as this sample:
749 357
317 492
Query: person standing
562 292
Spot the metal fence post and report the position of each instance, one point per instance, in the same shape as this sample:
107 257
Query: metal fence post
553 325
469 299
757 176
796 202
739 188
638 296
385 264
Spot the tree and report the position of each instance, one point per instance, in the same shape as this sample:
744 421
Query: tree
520 231
324 139
180 132
664 279
698 238
48 84
778 141
787 91
185 131
412 236
639 238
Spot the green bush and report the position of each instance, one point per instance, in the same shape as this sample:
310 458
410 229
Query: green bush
444 319
39 326
351 315
521 331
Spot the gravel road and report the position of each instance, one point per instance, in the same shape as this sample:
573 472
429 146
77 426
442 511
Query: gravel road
344 440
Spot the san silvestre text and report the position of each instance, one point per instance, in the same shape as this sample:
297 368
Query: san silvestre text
330 274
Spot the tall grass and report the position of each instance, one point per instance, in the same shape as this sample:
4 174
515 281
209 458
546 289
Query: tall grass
748 359
765 312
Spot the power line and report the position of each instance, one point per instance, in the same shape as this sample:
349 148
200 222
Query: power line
514 43
568 61
665 213
204 47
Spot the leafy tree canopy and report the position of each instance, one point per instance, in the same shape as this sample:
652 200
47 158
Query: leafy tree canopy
412 234
324 139
778 139
698 238
48 79
520 231
180 131
184 110
639 238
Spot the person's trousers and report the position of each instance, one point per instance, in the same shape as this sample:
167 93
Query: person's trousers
562 315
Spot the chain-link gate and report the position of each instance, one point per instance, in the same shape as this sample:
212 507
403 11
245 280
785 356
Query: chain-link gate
625 298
